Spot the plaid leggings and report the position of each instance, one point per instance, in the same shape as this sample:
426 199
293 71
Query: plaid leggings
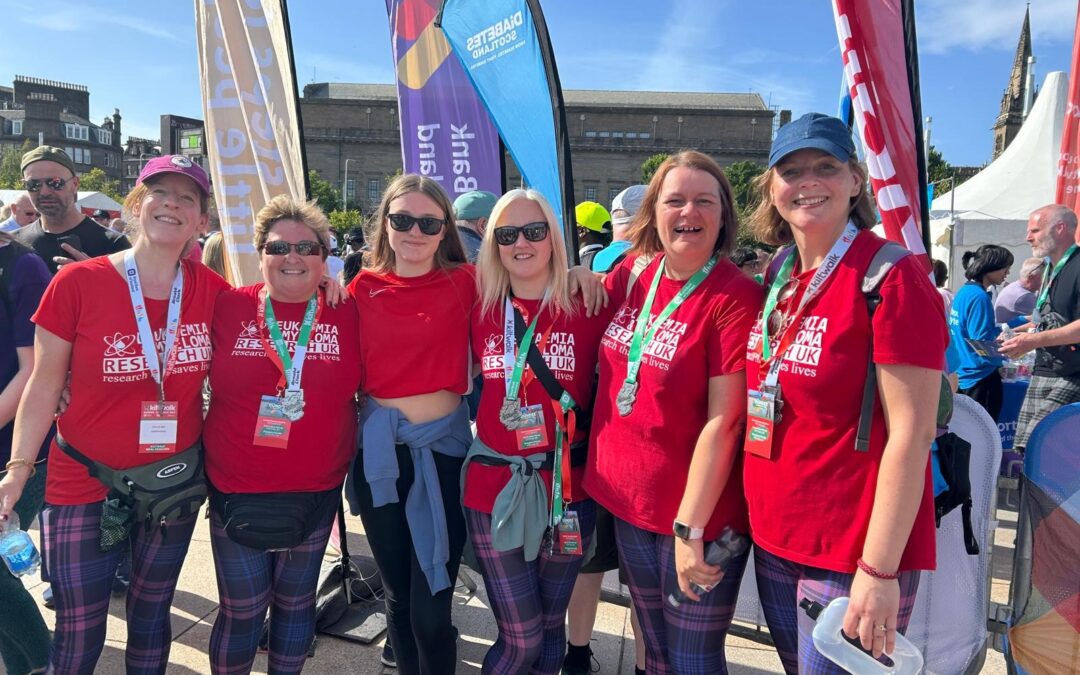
686 639
529 599
82 577
782 583
249 581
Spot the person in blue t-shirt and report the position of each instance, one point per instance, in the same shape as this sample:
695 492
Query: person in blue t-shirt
972 318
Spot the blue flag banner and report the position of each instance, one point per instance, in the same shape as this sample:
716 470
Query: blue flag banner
500 48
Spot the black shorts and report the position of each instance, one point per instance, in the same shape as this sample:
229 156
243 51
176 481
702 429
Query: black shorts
606 556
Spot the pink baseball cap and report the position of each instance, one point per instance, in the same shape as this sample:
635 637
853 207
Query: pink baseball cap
176 164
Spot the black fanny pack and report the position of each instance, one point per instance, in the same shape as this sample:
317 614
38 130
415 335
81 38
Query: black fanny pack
158 493
269 521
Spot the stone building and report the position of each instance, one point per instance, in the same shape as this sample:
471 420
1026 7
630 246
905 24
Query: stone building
1011 117
137 152
58 114
354 129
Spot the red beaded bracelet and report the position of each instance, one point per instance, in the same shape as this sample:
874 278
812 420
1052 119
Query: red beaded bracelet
875 572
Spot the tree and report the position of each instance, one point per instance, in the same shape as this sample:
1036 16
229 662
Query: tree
649 166
10 172
741 175
342 221
95 180
323 192
938 171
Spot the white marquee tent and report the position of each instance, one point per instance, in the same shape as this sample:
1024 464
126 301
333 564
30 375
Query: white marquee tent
993 206
87 201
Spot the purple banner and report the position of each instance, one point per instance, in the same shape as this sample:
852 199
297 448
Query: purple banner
446 133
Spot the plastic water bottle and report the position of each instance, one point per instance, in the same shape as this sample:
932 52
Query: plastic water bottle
17 548
718 553
829 639
1009 368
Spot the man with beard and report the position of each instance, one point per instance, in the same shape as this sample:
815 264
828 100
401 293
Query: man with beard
22 214
1055 322
62 234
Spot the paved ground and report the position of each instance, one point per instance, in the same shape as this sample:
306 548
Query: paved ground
195 608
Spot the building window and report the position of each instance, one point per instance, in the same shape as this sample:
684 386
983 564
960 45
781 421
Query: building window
104 136
617 134
132 169
631 134
605 134
590 194
350 190
78 155
612 193
590 134
644 134
373 190
77 132
16 127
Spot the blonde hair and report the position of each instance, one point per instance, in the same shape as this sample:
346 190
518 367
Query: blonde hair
284 207
769 227
381 258
492 277
213 252
643 237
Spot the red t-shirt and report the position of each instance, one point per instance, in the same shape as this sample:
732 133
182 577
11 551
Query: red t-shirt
88 305
811 502
416 331
322 442
570 353
638 464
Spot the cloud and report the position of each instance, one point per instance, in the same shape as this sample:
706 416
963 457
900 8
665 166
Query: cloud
975 25
66 18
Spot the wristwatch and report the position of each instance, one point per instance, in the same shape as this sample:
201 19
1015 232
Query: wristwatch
686 533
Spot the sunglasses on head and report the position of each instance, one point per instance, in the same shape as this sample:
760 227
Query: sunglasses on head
403 222
34 184
507 235
282 247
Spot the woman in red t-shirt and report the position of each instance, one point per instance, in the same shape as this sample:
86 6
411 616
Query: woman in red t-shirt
133 330
527 516
669 412
827 519
279 438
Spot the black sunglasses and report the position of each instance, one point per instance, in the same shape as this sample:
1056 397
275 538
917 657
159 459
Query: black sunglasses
507 235
403 222
282 247
34 184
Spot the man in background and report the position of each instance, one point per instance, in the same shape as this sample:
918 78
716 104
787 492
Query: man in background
1016 301
594 231
22 214
471 213
623 209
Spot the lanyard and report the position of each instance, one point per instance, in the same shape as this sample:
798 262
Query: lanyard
817 282
514 366
142 322
560 470
291 367
642 338
1048 279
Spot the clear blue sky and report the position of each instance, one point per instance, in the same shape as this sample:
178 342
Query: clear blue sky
139 56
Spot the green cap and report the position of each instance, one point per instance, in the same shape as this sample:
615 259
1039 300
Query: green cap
473 205
47 153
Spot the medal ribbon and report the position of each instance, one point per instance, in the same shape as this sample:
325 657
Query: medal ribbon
642 339
1048 279
291 367
516 376
817 282
142 322
560 471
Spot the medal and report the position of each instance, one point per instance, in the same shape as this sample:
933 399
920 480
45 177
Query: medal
292 405
510 413
624 401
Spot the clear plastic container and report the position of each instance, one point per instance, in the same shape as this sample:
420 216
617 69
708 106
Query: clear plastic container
718 553
830 640
17 548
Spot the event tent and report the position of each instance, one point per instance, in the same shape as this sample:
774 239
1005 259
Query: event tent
993 206
88 201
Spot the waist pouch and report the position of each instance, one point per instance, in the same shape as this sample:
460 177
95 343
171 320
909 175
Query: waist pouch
269 521
158 493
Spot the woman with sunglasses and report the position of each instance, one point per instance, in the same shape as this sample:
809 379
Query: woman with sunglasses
132 330
830 519
669 412
529 521
279 439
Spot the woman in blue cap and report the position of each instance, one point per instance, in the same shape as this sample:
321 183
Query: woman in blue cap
832 517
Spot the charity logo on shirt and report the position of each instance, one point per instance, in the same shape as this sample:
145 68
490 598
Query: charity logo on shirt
323 342
660 351
123 359
804 354
558 354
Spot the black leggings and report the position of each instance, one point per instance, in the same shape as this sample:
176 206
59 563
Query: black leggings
988 392
419 624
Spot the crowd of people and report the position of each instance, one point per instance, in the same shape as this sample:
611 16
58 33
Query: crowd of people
467 388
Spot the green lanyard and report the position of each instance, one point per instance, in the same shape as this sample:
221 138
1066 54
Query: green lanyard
770 302
642 339
1048 278
513 382
291 368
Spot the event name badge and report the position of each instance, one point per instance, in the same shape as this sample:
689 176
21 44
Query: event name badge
532 432
157 427
569 535
762 416
273 425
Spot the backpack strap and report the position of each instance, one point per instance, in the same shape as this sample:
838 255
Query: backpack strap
881 264
640 263
536 361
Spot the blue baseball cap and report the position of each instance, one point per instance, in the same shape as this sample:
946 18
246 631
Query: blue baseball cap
813 130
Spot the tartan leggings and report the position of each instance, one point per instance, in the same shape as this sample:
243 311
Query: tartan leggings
82 576
528 598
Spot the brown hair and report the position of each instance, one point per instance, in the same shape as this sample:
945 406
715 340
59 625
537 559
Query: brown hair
642 234
450 252
769 227
284 207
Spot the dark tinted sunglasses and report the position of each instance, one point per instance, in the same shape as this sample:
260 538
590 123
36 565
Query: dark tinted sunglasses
507 235
403 222
281 247
34 184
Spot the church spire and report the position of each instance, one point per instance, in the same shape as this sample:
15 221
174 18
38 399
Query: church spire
1011 116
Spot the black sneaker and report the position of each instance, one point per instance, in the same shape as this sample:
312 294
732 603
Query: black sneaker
47 598
120 585
579 661
387 657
